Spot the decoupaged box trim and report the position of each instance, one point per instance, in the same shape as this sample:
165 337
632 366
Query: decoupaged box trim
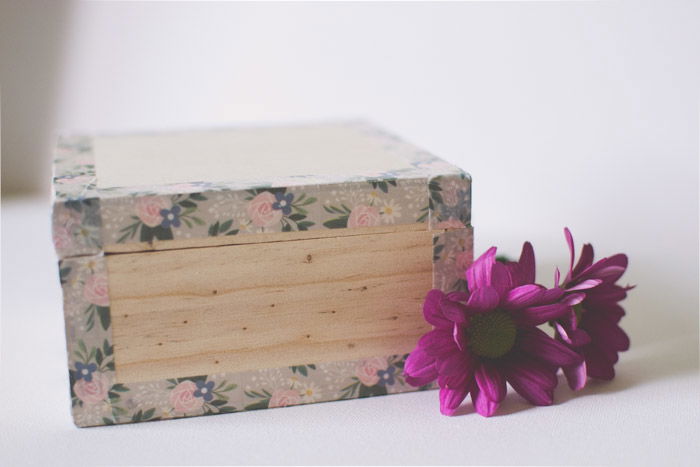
85 219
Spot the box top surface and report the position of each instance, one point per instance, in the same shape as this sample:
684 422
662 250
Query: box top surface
123 193
241 158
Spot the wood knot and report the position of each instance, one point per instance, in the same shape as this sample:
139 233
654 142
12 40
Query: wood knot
185 322
308 259
214 292
351 345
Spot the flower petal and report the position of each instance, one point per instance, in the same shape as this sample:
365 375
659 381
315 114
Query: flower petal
539 345
458 296
420 368
491 382
527 264
457 363
482 404
456 381
573 298
608 269
573 337
576 376
536 315
450 399
454 311
533 381
438 343
432 311
523 296
597 364
584 285
552 295
479 273
584 261
608 334
501 279
483 299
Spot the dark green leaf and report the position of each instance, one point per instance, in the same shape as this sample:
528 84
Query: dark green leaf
149 233
376 390
214 229
263 404
226 225
185 203
105 317
198 197
337 223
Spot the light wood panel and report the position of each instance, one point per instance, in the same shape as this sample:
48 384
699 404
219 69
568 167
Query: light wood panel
240 307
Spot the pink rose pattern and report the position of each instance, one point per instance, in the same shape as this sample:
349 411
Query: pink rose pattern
149 208
96 290
450 193
183 400
450 223
366 370
284 397
94 391
260 210
363 216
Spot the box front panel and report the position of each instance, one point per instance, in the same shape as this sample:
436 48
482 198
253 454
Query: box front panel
275 304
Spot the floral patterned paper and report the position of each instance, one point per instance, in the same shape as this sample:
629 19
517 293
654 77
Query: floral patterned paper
86 218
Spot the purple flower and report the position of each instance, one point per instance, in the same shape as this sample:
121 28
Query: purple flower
489 335
204 390
84 371
591 327
386 377
283 202
171 217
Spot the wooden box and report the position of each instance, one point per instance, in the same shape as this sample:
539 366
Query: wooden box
218 271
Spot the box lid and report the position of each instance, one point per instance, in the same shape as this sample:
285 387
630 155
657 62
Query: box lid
148 191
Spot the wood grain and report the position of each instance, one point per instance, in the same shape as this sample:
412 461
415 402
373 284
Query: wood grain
233 308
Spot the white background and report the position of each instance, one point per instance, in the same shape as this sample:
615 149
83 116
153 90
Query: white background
578 114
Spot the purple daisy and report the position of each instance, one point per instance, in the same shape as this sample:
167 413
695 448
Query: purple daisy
591 327
489 335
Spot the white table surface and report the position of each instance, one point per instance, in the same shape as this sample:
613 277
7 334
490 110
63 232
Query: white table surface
649 415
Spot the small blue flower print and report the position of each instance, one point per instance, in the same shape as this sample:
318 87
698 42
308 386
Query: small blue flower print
85 371
284 202
204 390
386 377
171 217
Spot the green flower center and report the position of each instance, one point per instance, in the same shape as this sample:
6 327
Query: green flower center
491 334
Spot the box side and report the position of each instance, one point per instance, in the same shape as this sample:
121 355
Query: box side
76 216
